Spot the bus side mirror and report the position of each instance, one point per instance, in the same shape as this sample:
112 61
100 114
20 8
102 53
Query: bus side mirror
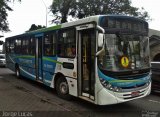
100 39
100 43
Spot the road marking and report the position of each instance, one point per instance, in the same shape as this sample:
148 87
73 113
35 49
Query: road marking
154 101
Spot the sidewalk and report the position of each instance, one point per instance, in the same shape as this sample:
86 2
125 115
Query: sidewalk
16 101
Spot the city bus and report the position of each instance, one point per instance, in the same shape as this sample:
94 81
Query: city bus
102 59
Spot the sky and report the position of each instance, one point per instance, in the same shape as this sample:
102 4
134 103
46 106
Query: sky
30 12
153 8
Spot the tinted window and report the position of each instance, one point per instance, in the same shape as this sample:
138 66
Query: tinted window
25 46
49 44
32 46
67 43
11 46
18 46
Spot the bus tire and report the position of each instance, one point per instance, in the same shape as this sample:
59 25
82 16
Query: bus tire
17 71
62 88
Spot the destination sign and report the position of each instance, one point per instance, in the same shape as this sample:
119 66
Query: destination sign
124 23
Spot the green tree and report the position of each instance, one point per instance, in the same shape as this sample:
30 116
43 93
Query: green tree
35 27
4 8
61 9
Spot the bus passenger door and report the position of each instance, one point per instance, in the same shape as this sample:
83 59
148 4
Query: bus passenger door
38 61
86 63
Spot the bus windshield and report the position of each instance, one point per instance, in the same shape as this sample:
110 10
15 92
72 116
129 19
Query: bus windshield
124 52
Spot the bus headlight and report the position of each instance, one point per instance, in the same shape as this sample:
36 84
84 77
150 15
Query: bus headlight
109 86
117 89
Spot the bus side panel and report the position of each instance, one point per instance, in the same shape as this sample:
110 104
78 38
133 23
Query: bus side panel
48 76
28 72
69 73
49 65
10 61
26 65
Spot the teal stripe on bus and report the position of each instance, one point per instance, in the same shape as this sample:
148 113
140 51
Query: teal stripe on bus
51 60
25 56
44 58
121 81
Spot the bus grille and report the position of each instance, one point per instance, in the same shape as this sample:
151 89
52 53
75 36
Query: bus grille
132 92
141 85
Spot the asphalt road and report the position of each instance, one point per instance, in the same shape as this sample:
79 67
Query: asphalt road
23 97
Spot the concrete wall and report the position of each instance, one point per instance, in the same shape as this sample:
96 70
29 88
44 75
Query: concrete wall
154 43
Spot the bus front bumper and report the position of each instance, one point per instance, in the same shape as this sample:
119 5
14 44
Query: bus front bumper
106 97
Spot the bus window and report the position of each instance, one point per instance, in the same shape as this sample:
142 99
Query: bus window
67 45
49 44
18 46
32 46
11 46
25 46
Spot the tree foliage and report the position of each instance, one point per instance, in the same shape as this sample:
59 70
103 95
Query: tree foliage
35 27
61 9
4 8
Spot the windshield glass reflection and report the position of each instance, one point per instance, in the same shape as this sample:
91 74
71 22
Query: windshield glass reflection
124 52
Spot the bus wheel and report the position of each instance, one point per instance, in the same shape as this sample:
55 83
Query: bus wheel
62 88
17 72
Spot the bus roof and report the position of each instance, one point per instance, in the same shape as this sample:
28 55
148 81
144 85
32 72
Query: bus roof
95 19
37 31
68 24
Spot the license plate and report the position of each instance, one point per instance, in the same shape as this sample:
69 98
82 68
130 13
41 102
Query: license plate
134 94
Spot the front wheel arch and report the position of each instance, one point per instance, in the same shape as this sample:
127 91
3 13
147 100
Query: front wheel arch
62 88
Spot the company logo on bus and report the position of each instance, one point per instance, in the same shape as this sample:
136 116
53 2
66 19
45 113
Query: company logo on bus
125 61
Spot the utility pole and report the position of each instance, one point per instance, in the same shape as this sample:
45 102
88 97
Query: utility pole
46 11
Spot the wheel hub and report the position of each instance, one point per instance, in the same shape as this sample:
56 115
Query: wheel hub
64 88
